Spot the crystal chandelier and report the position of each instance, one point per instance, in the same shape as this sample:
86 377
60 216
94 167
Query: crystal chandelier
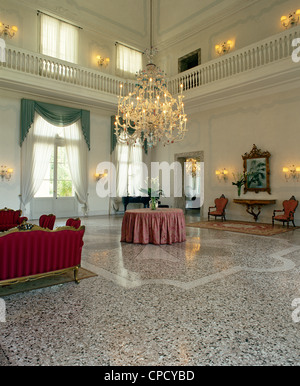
150 113
192 167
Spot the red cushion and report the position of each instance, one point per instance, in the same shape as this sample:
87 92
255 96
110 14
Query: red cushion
289 207
47 221
216 213
9 216
6 217
73 222
6 227
220 204
281 217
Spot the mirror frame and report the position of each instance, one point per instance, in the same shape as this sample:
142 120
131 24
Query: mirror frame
263 159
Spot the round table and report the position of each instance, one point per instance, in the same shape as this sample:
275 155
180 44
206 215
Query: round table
160 226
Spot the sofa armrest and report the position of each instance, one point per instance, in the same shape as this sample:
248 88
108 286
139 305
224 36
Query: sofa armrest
22 219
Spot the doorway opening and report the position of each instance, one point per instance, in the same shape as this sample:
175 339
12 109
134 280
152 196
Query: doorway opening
192 182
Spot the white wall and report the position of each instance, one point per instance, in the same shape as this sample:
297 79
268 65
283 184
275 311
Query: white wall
252 24
227 133
27 37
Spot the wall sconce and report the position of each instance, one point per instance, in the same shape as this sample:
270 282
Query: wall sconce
98 176
5 173
7 31
223 48
290 20
222 174
102 61
291 172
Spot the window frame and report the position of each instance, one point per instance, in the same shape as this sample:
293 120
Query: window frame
39 34
58 142
121 71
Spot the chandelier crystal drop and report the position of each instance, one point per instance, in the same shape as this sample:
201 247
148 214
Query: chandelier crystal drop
150 113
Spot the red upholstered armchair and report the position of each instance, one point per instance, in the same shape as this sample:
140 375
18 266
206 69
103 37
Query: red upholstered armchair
220 205
47 221
10 218
73 222
289 207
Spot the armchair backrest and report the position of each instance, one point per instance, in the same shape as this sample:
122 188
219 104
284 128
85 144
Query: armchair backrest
221 203
289 206
10 216
73 222
47 221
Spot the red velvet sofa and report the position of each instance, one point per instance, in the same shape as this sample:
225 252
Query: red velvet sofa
10 218
38 252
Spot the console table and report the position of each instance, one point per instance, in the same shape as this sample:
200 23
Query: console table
252 204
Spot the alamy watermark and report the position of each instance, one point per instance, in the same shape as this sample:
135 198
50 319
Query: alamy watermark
296 312
2 50
2 311
174 175
296 51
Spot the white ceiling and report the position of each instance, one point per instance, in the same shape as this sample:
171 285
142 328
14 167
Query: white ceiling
129 20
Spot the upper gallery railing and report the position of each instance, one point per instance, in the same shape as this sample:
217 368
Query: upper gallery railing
46 67
257 55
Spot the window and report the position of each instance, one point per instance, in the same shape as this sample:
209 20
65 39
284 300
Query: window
57 181
129 61
130 176
58 39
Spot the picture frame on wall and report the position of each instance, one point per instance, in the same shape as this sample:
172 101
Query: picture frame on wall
257 171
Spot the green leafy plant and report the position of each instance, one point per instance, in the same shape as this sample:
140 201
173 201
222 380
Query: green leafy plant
239 180
257 174
153 191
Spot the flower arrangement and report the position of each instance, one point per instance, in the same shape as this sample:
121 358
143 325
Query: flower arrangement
239 181
154 192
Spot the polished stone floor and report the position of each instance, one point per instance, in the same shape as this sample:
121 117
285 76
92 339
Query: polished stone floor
220 298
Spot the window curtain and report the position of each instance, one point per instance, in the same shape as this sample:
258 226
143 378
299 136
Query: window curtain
129 169
59 39
35 157
54 114
77 154
129 61
36 146
113 138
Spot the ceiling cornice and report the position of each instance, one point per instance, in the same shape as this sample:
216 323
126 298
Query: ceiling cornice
203 24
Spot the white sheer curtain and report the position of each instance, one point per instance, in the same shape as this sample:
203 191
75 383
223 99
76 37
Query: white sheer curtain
36 152
77 154
129 169
35 155
129 61
59 39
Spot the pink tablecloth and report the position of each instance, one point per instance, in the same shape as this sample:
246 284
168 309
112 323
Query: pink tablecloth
160 226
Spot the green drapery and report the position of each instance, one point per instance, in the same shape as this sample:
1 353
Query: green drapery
113 138
54 114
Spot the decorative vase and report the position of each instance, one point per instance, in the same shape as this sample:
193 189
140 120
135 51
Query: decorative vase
153 203
239 190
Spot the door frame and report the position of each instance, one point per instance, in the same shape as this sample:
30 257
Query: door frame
179 202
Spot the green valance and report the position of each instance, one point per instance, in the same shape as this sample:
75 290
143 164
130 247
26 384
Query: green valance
113 138
54 114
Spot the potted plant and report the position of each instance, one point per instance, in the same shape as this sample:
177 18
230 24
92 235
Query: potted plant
154 192
239 181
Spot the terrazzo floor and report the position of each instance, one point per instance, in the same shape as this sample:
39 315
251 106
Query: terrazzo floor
220 298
